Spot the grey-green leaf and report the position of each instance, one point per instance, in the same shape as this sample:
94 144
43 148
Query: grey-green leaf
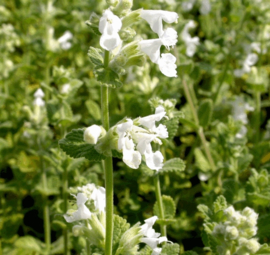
205 112
74 146
108 77
174 164
95 56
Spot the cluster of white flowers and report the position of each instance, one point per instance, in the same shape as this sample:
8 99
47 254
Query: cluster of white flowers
205 6
250 61
130 133
85 193
110 25
191 42
39 94
9 38
167 37
238 230
152 238
64 40
239 113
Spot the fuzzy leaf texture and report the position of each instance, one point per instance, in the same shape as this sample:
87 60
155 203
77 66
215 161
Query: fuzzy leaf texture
74 146
168 207
120 226
220 204
95 56
108 77
170 249
205 210
205 112
173 165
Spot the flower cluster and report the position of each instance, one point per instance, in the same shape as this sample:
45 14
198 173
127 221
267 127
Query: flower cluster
131 134
152 238
86 193
237 231
191 42
250 61
167 37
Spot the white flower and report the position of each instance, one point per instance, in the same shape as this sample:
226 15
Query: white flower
167 65
146 229
109 26
188 5
91 134
155 17
65 88
156 251
63 40
153 159
131 157
250 60
82 213
205 7
98 195
39 94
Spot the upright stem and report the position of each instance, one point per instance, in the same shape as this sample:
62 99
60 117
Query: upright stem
258 116
65 188
107 166
200 129
163 228
46 212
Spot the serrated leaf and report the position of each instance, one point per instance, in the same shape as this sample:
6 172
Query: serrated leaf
172 126
120 226
169 208
74 146
220 204
205 210
95 56
174 164
108 77
170 249
93 109
205 112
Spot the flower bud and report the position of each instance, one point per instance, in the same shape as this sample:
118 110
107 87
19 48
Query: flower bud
123 7
127 34
131 18
78 230
93 22
97 232
92 134
231 233
252 245
112 2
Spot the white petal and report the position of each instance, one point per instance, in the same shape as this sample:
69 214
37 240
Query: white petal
82 213
65 37
205 7
66 45
81 199
154 160
39 93
98 195
39 102
152 242
149 121
109 23
156 251
155 17
251 59
167 65
169 37
132 159
91 134
109 42
124 127
151 48
191 49
161 131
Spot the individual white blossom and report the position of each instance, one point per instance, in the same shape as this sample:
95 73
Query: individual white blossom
155 18
250 60
65 88
167 65
91 134
82 213
109 26
135 141
39 94
188 5
151 238
191 42
64 40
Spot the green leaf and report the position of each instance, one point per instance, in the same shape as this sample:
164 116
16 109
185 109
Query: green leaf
75 164
220 204
30 244
201 161
120 226
108 77
169 208
264 226
74 146
205 210
259 199
172 126
95 56
264 250
174 164
170 249
93 109
190 253
205 112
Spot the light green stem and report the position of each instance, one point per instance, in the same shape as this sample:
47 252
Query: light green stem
258 116
108 168
163 228
200 129
65 188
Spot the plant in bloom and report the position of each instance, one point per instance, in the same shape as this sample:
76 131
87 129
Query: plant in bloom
167 37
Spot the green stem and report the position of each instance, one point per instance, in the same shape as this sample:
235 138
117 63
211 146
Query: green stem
163 228
108 168
200 129
65 188
258 116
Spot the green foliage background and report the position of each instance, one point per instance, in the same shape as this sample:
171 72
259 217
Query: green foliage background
29 148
